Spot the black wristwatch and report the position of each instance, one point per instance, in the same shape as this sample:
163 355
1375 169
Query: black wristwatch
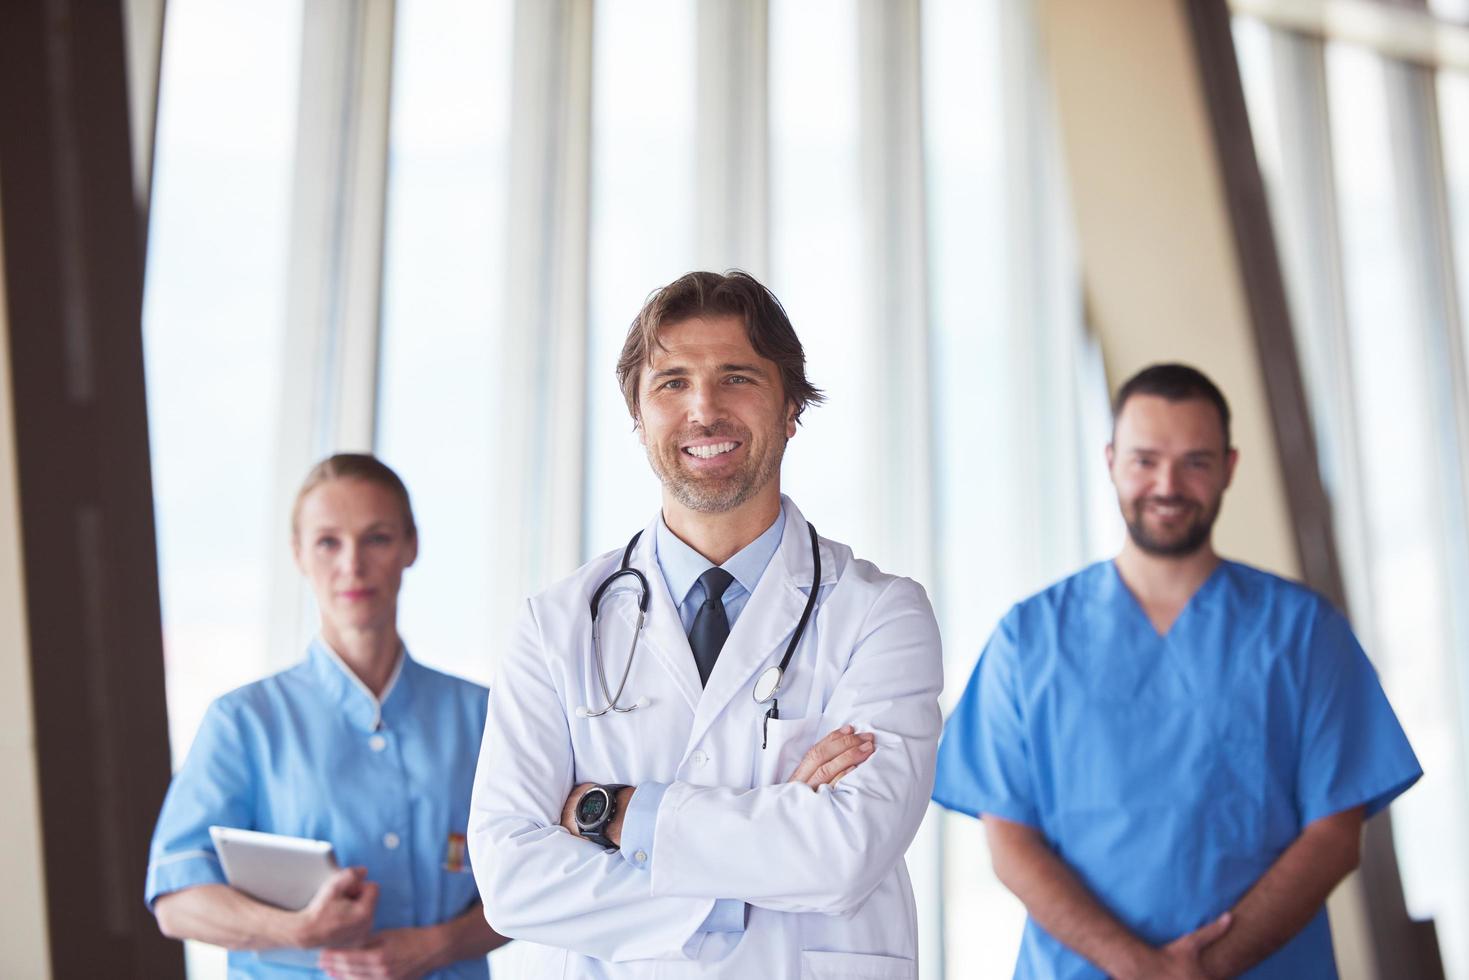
595 810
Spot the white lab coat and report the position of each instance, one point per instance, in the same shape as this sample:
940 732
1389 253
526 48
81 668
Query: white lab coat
822 872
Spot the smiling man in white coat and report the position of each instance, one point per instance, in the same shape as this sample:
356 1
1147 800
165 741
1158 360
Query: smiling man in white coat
707 751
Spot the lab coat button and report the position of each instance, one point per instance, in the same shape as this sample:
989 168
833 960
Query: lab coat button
699 757
390 841
377 743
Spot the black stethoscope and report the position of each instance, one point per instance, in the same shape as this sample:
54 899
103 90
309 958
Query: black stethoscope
767 686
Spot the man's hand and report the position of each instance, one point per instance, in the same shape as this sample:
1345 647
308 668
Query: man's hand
393 954
613 830
1182 958
1061 904
340 913
568 812
1285 898
833 757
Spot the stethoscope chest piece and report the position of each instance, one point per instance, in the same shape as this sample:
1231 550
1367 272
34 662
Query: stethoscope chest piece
767 684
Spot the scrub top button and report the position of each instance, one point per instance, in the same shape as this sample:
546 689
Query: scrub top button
377 743
699 757
390 841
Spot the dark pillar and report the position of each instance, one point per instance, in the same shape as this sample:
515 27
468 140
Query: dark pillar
74 276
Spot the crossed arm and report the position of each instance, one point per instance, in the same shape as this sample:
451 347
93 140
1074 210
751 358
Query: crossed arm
541 884
824 764
1276 907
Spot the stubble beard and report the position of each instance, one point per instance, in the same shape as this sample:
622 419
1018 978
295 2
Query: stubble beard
1194 537
711 495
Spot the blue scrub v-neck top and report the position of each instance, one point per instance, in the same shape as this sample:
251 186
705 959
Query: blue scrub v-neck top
310 752
1169 772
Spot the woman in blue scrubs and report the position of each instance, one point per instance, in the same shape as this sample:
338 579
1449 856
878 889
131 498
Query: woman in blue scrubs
359 745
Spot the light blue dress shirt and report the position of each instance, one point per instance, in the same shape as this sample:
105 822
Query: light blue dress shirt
310 752
681 567
1170 772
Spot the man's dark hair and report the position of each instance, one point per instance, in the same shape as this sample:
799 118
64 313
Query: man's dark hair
709 294
1176 383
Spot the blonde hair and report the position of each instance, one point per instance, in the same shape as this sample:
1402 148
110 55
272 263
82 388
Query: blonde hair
354 466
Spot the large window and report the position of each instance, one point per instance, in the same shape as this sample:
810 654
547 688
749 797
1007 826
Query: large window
966 158
1363 158
643 210
1020 403
1398 446
443 280
1453 100
213 322
816 224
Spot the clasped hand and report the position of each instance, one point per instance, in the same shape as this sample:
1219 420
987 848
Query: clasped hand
339 919
340 913
1182 959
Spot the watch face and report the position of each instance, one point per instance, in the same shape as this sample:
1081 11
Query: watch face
590 807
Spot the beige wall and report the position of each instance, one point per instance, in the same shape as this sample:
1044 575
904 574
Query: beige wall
23 940
1161 276
1162 282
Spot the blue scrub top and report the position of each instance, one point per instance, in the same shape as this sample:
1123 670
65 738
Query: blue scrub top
310 752
1170 772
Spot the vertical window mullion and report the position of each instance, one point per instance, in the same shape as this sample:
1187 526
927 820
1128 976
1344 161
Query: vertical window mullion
898 410
896 277
1311 252
541 376
733 136
1422 194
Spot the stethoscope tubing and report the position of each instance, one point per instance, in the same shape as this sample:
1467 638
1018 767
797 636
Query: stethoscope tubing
612 699
625 569
610 704
785 661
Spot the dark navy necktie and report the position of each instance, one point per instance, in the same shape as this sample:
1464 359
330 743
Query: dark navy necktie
711 625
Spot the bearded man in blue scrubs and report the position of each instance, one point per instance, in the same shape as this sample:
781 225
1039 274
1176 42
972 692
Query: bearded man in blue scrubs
1173 754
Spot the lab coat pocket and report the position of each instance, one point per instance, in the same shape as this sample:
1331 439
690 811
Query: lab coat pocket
786 740
822 965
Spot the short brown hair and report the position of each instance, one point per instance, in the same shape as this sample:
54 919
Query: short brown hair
354 466
709 294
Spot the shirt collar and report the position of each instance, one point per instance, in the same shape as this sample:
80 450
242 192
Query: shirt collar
682 565
346 689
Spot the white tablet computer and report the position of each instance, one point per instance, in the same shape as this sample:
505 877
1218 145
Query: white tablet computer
283 871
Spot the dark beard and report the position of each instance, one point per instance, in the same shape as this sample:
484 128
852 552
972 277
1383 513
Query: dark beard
1195 538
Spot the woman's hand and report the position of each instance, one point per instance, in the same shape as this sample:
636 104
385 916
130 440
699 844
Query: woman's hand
393 954
340 913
